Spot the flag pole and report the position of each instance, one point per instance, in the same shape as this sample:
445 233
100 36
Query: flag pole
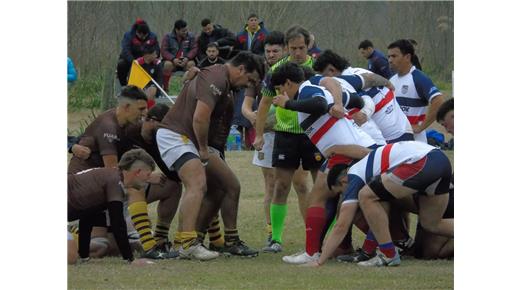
162 91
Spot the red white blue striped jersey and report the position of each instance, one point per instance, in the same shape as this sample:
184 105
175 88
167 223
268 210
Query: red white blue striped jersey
379 161
325 131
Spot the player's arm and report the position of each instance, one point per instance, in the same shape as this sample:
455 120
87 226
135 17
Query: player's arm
353 151
431 114
201 119
334 87
315 105
118 225
261 117
375 80
365 112
247 105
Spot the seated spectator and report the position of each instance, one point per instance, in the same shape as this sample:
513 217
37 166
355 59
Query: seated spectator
178 50
152 65
132 47
224 39
212 56
72 76
253 36
314 50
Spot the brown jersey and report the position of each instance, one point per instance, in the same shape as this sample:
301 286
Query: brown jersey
211 86
104 137
94 188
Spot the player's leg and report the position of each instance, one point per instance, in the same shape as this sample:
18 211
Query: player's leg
268 174
301 186
168 195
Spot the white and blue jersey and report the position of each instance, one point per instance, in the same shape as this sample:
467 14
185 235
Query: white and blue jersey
380 161
325 131
414 92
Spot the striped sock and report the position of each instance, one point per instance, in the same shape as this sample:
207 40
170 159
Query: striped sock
177 241
370 243
231 236
188 239
269 229
388 249
215 237
139 215
162 229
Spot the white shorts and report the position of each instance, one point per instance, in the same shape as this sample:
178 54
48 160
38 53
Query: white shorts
173 145
264 157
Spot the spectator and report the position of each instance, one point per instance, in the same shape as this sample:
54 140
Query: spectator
415 58
253 36
132 47
314 50
224 38
212 56
178 50
152 65
72 76
377 61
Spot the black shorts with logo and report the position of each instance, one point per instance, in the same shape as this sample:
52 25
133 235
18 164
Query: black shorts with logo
290 150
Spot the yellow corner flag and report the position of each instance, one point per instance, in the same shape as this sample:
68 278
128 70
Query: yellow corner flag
138 76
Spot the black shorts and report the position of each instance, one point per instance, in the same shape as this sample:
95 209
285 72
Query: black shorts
290 150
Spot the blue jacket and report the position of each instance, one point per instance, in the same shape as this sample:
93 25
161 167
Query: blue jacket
378 64
71 71
257 43
132 47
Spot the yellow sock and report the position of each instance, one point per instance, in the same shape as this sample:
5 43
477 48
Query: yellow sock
139 215
177 242
215 236
188 239
269 229
161 231
74 230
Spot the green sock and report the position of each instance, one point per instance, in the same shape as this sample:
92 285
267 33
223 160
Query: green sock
278 213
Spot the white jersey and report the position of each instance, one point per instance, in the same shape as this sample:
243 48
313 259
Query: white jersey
387 115
414 91
380 160
326 131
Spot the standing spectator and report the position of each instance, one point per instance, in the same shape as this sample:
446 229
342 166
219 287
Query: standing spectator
415 58
253 36
152 65
224 39
72 76
132 47
314 50
212 56
377 62
178 50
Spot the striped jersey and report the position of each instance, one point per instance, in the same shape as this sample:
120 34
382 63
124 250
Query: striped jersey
379 161
325 131
286 120
414 91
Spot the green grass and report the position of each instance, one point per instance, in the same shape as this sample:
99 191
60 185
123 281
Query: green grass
86 93
267 270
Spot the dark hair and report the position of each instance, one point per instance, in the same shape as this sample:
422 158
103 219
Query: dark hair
412 41
212 44
307 72
133 93
180 24
287 71
158 112
329 57
445 108
404 45
334 174
205 22
275 38
134 155
365 44
252 15
141 26
297 31
252 62
147 49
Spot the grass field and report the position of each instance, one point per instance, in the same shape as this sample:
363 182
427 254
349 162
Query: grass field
267 271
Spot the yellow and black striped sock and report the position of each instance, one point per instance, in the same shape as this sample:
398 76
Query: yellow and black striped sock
177 242
188 239
74 230
162 229
139 215
231 236
269 229
201 236
215 236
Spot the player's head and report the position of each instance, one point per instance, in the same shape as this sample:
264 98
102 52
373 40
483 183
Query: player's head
212 51
287 78
141 29
337 178
136 165
400 53
297 39
246 68
149 53
274 45
446 116
366 48
181 28
131 104
207 26
153 118
330 64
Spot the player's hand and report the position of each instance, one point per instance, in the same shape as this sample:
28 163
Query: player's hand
280 100
177 62
141 262
157 178
192 73
259 142
417 128
311 264
204 156
80 151
360 118
337 111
